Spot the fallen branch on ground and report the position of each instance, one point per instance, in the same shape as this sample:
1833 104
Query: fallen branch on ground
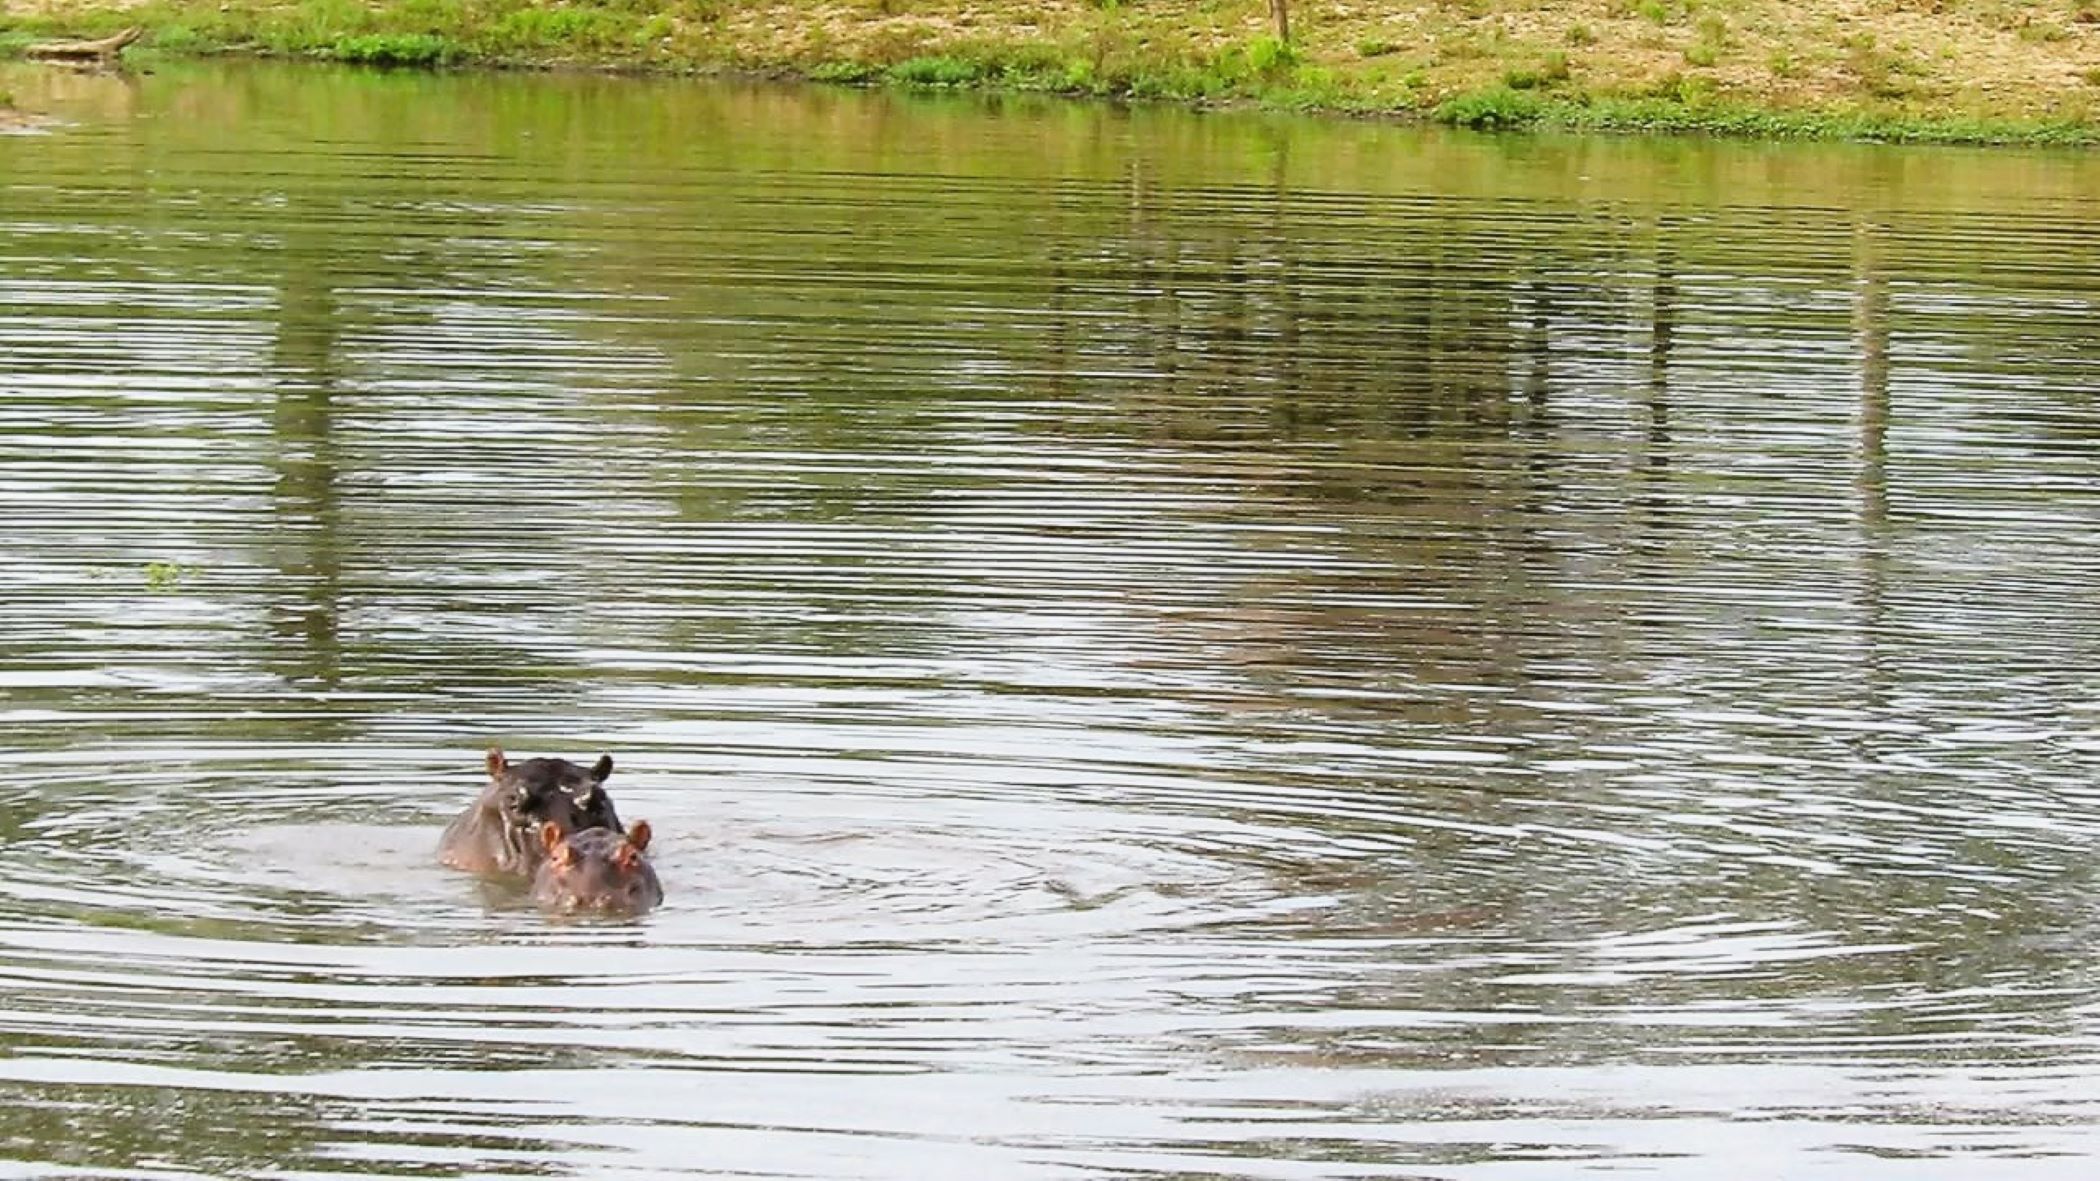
106 48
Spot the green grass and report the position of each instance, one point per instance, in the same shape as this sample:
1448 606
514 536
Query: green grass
396 49
179 40
559 28
1694 110
1455 73
1500 109
1268 57
1713 41
398 33
1551 71
1261 70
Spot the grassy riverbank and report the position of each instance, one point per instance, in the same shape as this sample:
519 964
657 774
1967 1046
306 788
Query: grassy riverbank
1942 70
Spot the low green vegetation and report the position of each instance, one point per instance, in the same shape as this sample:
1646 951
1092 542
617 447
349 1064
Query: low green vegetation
1971 71
938 71
1550 71
1692 111
397 49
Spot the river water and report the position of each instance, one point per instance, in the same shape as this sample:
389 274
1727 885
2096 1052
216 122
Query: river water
1154 644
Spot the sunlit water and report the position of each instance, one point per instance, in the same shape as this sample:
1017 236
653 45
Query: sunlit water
1154 645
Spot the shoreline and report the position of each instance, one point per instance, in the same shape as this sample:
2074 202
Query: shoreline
1806 70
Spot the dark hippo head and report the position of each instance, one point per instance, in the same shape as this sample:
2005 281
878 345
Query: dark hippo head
596 871
500 832
553 791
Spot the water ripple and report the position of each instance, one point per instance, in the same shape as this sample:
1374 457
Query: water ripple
1153 645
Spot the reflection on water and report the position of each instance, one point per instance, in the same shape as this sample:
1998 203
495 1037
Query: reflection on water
1154 645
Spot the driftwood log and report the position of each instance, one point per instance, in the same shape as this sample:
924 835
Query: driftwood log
104 50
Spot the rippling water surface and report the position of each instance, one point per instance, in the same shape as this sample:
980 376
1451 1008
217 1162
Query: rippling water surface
1154 645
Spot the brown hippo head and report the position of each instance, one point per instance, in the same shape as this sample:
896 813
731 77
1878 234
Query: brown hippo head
597 871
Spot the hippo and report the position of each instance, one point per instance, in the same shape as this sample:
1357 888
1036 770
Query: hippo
499 833
596 871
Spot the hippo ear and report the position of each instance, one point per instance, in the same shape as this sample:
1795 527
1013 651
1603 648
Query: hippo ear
550 836
638 836
497 763
601 769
